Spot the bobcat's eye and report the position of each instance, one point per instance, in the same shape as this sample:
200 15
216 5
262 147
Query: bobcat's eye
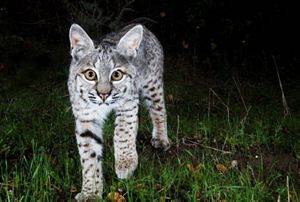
90 75
117 75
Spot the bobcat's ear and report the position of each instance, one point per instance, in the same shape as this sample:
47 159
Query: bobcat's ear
80 42
131 41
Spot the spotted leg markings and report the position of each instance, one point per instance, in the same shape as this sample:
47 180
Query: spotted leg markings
154 98
126 157
90 149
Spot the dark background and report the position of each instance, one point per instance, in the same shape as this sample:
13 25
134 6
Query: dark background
222 94
245 37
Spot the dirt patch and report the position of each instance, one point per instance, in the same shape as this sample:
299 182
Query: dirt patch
263 160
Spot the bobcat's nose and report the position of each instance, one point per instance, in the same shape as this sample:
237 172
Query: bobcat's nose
104 90
104 96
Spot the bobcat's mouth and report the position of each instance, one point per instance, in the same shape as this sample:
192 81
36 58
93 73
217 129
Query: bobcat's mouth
107 99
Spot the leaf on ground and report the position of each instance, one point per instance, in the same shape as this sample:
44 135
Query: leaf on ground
158 187
221 168
54 187
163 14
234 164
194 167
197 195
115 197
73 189
67 109
138 186
185 45
165 199
170 99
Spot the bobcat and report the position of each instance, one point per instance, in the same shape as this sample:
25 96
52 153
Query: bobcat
106 76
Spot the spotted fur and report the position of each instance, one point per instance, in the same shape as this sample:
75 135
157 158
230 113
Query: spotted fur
110 75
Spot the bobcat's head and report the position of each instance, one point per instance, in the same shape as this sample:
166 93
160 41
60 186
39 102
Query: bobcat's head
102 73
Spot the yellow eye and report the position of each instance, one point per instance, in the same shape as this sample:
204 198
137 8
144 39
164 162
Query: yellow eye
117 75
90 75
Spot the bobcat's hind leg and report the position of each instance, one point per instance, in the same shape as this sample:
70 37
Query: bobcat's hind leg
154 98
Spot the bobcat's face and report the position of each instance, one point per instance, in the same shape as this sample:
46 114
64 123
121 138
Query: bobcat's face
101 74
104 77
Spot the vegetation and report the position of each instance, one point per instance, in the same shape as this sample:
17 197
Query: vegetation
231 139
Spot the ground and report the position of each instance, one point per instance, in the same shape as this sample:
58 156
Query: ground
231 140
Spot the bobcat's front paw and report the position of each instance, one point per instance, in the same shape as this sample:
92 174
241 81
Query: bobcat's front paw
125 169
160 143
85 197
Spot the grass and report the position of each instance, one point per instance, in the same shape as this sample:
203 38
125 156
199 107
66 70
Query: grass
210 132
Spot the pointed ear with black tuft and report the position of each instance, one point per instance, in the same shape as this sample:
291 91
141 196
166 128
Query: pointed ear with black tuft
80 42
131 41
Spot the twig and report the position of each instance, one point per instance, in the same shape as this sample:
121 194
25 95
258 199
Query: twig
177 132
224 144
246 115
286 110
124 9
288 188
252 172
247 109
215 149
222 102
243 101
7 185
193 143
208 107
142 19
8 108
